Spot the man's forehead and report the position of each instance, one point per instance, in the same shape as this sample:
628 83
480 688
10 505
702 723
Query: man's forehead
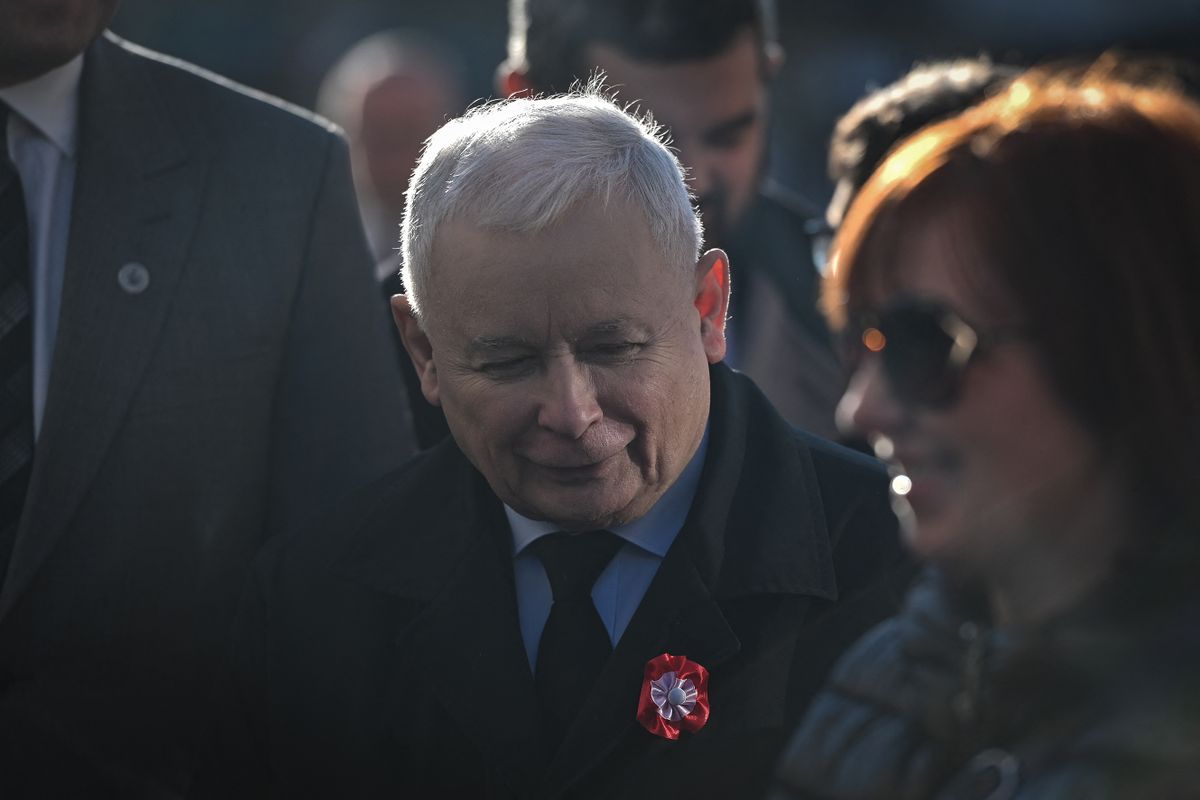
590 273
702 91
580 331
589 234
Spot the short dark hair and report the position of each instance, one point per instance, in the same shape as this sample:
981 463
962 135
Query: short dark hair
885 117
1078 194
548 38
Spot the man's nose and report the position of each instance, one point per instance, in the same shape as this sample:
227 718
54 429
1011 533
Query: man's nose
868 407
568 406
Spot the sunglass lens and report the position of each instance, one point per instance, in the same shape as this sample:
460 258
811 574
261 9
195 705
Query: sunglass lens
917 356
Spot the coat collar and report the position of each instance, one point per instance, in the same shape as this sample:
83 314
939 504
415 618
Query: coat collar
138 188
756 527
759 517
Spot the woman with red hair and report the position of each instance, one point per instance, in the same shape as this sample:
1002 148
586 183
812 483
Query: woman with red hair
1017 292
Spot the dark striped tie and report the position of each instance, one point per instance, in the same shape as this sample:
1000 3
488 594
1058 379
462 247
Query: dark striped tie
16 351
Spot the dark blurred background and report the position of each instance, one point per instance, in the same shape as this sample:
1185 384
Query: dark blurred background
837 49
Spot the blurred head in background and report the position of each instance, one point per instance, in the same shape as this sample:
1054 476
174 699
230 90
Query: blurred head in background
865 134
390 92
703 67
38 35
1016 289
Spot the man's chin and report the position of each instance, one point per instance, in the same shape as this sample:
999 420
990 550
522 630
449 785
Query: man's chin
580 510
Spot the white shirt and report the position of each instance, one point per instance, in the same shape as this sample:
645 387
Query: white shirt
42 134
620 588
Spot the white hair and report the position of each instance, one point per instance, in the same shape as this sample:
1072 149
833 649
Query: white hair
520 165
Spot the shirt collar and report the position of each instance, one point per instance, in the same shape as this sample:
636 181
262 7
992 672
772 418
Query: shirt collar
49 103
654 531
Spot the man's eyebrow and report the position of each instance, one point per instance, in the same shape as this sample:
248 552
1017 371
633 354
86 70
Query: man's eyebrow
732 125
491 344
618 325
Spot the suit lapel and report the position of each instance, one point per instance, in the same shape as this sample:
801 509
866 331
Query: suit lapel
137 194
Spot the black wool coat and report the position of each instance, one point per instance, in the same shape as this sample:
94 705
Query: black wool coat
381 655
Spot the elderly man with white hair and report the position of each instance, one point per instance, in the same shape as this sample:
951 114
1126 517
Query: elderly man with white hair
624 575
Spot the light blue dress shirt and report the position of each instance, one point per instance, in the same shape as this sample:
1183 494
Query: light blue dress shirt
42 133
623 583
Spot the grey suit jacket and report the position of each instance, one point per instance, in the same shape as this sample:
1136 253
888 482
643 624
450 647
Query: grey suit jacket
241 390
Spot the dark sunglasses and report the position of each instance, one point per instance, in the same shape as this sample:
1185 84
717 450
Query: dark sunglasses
925 348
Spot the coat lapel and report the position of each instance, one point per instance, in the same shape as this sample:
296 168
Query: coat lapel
678 615
476 664
137 193
457 560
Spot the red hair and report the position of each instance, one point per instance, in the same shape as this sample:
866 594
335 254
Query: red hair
1080 195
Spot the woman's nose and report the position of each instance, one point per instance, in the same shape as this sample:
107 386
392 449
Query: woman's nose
868 408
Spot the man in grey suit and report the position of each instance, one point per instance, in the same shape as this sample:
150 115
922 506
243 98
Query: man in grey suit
194 361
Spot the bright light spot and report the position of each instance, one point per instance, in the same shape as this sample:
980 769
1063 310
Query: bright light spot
1020 93
901 164
873 339
884 447
901 485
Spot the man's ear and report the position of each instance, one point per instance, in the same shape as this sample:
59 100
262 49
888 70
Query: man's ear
712 302
512 82
418 347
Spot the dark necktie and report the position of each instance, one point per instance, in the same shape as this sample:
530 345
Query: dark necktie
574 644
16 351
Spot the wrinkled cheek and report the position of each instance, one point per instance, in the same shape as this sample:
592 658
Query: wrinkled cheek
641 458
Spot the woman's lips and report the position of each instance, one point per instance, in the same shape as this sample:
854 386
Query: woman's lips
923 481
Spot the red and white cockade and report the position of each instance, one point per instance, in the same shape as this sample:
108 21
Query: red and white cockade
674 696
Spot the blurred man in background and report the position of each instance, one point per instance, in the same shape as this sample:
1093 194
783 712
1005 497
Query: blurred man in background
194 361
704 68
390 92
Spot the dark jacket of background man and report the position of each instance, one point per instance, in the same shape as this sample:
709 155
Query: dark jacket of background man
374 665
246 386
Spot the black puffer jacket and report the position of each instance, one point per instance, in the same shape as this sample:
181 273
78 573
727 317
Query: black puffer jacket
1102 703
